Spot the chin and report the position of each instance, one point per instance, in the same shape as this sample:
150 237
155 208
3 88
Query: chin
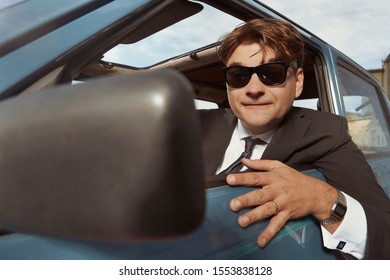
255 125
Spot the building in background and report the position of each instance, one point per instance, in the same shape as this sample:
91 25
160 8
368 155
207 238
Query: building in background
383 74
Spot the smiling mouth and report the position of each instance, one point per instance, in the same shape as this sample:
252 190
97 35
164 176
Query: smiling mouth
256 104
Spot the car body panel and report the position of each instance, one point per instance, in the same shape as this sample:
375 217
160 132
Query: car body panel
219 237
29 23
46 52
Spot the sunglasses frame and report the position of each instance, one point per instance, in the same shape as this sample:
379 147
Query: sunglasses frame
258 70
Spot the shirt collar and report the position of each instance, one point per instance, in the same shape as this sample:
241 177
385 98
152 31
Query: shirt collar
243 132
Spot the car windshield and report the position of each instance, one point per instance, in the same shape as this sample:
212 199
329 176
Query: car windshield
199 30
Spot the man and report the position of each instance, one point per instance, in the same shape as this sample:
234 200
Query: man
263 72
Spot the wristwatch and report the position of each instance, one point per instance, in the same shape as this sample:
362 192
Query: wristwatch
338 210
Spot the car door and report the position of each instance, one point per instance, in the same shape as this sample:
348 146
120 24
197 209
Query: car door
86 55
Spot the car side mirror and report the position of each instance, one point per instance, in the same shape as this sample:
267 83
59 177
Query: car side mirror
116 158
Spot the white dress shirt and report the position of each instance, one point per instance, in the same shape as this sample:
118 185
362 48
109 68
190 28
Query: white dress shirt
350 237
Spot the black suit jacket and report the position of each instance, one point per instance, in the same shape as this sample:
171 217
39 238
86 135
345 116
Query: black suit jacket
320 140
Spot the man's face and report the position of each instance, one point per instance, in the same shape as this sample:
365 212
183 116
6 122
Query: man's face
260 107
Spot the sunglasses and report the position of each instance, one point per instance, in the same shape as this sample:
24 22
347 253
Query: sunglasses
270 74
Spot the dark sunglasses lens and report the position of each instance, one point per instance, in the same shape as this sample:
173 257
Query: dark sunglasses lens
272 74
237 76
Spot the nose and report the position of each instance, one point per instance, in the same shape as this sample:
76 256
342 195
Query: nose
255 86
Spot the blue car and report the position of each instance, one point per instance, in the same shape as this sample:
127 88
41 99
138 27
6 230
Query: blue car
100 140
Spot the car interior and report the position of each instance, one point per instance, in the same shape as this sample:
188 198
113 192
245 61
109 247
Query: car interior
203 69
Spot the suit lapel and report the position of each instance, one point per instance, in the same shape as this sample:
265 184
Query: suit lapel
281 147
287 136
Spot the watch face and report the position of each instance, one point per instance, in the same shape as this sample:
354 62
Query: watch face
340 211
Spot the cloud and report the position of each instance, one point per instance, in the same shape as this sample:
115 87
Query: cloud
178 39
359 29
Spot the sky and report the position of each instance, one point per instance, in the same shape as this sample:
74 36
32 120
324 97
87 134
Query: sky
359 29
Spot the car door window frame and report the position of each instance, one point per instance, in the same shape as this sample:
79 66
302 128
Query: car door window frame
377 114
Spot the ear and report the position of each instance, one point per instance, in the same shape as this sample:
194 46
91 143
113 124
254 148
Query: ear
299 82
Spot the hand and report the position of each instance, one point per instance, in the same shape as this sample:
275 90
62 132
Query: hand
284 194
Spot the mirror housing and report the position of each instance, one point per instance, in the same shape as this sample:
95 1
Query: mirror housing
116 158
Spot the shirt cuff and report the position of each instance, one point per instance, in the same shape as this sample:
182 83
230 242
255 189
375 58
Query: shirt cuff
351 235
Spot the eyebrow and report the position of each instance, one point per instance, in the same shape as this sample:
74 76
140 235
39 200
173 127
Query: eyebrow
265 62
235 64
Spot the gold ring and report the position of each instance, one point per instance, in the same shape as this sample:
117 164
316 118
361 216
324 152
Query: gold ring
276 206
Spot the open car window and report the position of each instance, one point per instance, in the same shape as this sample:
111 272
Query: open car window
189 46
179 38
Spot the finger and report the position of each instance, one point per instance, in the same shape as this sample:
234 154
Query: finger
252 198
264 211
258 179
262 164
275 224
254 178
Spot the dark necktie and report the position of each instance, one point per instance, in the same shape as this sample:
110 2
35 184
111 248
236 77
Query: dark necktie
237 165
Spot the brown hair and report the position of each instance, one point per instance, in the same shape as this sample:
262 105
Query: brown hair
279 36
